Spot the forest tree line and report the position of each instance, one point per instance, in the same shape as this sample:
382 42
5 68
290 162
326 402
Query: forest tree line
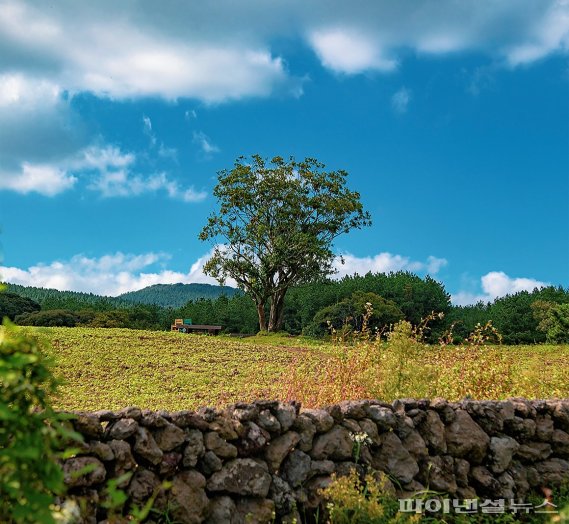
311 309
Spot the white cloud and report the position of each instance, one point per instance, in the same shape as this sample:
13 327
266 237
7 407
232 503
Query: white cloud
204 143
496 284
385 263
349 51
108 275
400 100
43 179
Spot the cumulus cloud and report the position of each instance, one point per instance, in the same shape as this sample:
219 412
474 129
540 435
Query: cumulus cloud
497 284
400 100
385 263
108 275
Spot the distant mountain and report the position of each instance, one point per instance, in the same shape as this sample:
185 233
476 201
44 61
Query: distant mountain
176 295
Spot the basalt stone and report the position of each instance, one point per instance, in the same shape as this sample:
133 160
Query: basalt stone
314 489
465 438
210 463
382 416
130 412
101 450
268 421
544 428
533 451
554 471
285 414
253 440
351 425
189 419
370 429
169 437
187 499
194 448
461 470
523 408
438 473
170 463
394 459
245 412
279 448
336 444
306 430
220 510
488 415
213 442
415 445
561 415
151 419
321 467
143 485
104 415
282 495
145 446
501 452
560 443
88 425
322 420
94 472
483 481
297 468
226 428
521 429
432 430
124 461
122 429
254 511
246 477
335 412
507 485
355 409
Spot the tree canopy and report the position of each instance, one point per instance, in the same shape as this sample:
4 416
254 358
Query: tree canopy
275 227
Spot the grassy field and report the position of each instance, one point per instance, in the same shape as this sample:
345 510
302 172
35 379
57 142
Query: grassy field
114 368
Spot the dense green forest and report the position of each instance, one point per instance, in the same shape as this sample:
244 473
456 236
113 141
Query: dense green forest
525 317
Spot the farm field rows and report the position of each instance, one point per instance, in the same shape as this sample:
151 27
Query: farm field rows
114 368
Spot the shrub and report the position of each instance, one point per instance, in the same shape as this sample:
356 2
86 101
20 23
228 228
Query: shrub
30 432
12 305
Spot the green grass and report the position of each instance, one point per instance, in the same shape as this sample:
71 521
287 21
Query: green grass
114 368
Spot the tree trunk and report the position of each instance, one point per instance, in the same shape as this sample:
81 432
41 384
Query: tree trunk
262 319
276 315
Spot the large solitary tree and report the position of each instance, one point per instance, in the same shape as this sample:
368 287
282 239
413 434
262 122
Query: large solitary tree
275 226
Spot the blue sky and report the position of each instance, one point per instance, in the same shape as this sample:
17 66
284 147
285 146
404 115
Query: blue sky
452 119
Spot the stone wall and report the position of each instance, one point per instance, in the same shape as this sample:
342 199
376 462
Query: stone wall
250 462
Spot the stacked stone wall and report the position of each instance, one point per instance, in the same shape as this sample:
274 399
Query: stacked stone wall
266 461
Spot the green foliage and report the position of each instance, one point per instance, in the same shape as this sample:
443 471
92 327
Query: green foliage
553 320
350 313
12 305
30 432
277 221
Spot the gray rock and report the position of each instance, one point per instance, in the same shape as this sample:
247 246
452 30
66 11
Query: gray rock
519 475
146 447
254 511
322 420
220 510
224 427
554 471
124 461
279 448
433 432
561 415
151 419
189 419
101 450
142 486
483 481
355 409
336 445
438 473
313 490
461 470
351 425
382 416
130 412
242 477
245 412
254 439
321 467
306 429
122 429
415 444
194 448
269 422
544 427
394 459
534 451
508 486
523 408
94 472
169 437
88 425
187 499
213 442
210 463
370 429
286 415
560 443
521 429
404 425
296 468
465 438
282 495
501 452
170 463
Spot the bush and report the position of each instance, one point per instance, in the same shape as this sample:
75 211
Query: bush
30 432
12 305
51 318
